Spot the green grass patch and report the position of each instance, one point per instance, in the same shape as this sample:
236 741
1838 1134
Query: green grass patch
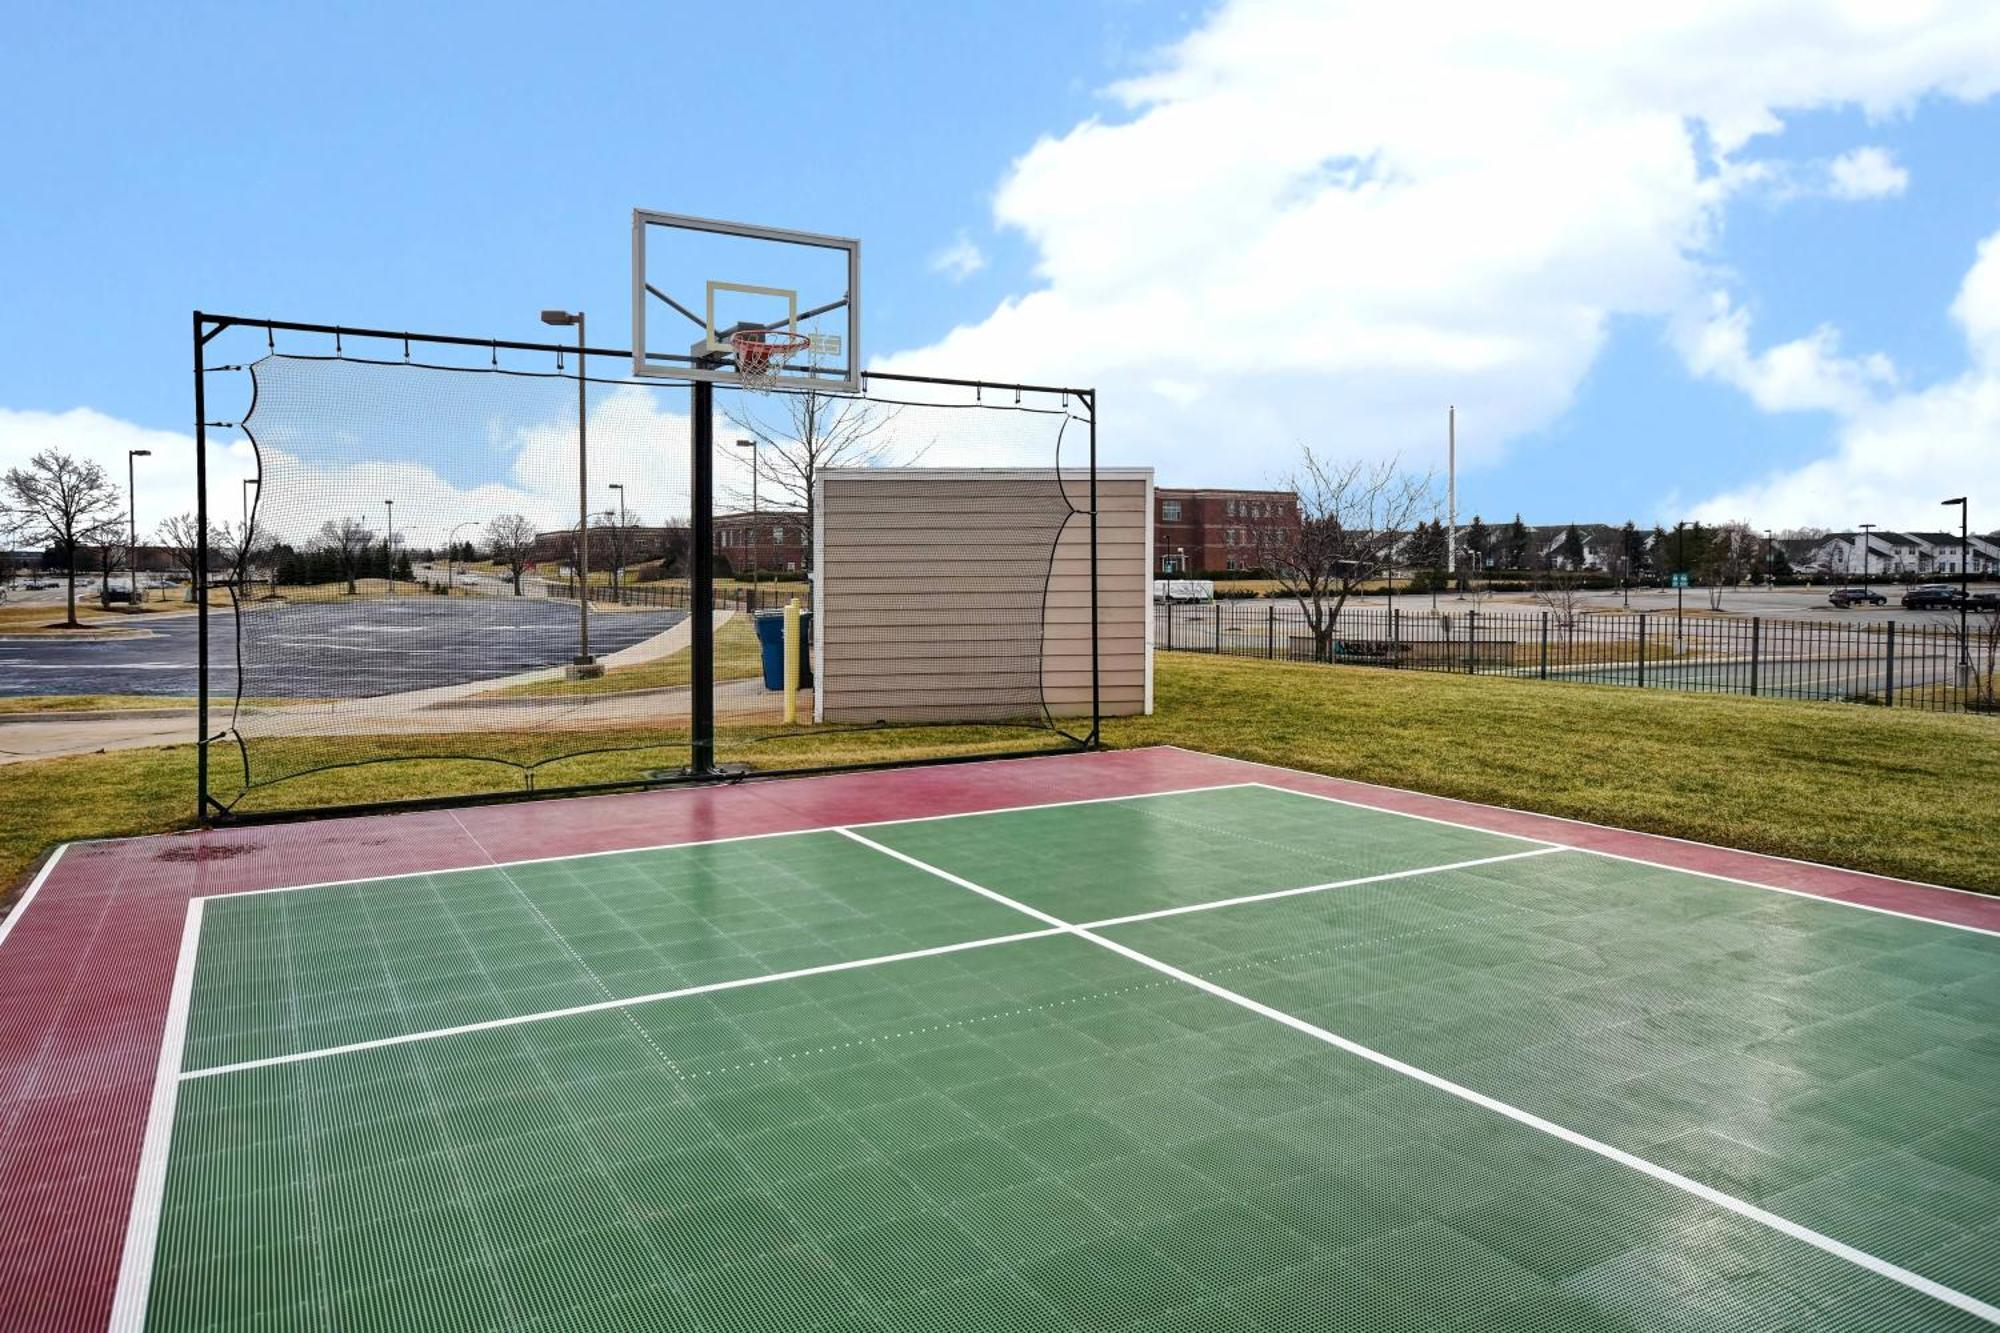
737 657
1886 790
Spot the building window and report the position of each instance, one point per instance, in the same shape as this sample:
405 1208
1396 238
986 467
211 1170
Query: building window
1232 563
1171 564
1170 511
778 535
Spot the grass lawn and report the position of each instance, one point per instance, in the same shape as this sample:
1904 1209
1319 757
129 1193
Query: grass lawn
1876 789
94 703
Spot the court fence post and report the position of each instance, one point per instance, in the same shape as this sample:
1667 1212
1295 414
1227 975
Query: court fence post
1545 645
200 579
1471 642
1756 649
1271 631
1218 627
1889 667
1642 650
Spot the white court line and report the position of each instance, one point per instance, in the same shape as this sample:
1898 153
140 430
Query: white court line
598 1006
142 1227
1840 1249
1318 888
1660 865
1056 928
34 887
740 837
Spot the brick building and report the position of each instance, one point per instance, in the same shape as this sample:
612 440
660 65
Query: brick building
1219 531
770 540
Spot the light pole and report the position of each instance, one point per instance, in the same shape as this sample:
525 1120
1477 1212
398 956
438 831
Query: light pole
389 544
1770 558
585 665
243 556
751 445
1867 540
1680 584
132 518
1964 586
450 554
618 536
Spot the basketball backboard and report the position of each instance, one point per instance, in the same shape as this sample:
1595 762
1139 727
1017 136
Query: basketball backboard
698 282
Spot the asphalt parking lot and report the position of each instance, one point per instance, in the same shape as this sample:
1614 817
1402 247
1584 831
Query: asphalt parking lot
320 650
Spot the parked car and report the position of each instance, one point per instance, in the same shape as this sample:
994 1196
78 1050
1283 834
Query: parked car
1849 596
1983 601
1932 597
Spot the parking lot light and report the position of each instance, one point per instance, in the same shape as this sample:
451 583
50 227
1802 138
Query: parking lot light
132 519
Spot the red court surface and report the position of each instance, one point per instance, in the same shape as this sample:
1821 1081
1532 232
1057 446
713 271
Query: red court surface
88 958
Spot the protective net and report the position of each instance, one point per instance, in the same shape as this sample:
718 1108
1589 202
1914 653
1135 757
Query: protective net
405 616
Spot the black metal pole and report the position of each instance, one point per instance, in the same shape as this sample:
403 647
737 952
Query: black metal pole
1096 630
701 583
200 574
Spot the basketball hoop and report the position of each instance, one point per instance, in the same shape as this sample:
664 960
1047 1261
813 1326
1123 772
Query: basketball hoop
761 353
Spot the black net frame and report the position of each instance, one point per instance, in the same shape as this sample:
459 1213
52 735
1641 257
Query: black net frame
228 769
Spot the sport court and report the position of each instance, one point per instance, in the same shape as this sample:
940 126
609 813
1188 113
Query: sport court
1142 1040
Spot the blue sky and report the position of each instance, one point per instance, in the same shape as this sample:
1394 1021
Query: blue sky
1725 267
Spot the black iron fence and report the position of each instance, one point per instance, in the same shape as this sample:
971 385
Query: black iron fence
1904 664
672 597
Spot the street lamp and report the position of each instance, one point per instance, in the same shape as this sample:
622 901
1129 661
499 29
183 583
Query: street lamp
751 445
451 554
389 544
132 519
618 536
1867 540
586 665
1680 584
1964 586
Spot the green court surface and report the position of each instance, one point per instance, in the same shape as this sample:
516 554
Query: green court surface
934 1075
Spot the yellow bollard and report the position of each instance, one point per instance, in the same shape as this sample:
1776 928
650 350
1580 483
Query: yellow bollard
794 653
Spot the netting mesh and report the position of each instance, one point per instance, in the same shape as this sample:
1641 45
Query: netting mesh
404 593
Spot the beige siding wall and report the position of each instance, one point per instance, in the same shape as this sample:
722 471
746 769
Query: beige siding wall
937 599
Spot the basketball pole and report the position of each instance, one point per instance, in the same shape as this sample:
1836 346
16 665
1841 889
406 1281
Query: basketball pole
701 584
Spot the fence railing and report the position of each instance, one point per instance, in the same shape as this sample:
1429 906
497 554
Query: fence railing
673 598
1903 664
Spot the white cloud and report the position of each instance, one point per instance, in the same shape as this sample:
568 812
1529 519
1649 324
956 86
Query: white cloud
959 260
1897 454
1805 374
1866 173
1324 223
164 482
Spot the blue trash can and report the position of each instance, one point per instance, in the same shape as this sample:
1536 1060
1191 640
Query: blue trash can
771 640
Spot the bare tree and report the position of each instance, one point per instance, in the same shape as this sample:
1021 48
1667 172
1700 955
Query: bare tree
1559 590
347 540
59 501
1351 518
619 529
512 538
1983 691
1727 559
817 430
182 537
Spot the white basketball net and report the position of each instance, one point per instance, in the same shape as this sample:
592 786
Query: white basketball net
761 353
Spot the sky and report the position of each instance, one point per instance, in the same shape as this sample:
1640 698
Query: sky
1705 261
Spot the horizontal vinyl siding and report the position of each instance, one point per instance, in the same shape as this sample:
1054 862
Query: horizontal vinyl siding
967 597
